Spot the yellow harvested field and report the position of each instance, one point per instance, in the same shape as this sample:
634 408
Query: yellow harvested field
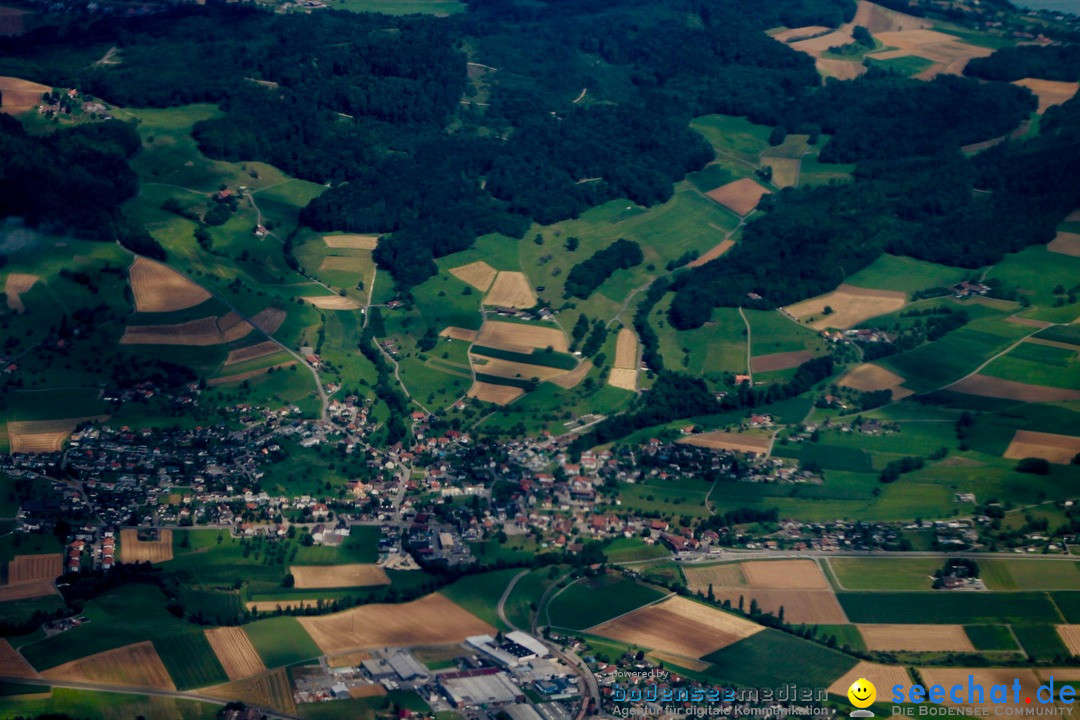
519 337
159 288
739 442
987 677
251 352
240 377
785 575
815 46
1070 635
338 576
333 302
883 677
34 436
1060 449
15 285
431 620
135 665
352 242
868 378
717 251
273 605
1049 92
626 349
779 361
27 590
348 659
20 95
510 369
987 386
1065 243
785 171
29 568
133 550
511 289
949 53
268 320
457 333
623 378
916 638
344 263
12 664
498 394
235 652
876 18
680 626
572 379
839 69
199 333
269 690
850 306
740 196
729 575
800 606
478 274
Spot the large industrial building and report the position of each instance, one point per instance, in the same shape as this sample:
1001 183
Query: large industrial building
514 649
482 686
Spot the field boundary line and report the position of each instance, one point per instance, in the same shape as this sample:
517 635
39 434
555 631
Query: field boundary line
631 612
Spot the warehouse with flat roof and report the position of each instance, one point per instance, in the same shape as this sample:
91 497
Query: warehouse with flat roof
482 686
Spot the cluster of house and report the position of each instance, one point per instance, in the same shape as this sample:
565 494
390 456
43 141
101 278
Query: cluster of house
69 102
90 548
859 335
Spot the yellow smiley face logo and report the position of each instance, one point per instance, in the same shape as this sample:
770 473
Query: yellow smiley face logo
862 693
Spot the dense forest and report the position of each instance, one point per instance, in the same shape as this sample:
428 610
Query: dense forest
589 274
1050 62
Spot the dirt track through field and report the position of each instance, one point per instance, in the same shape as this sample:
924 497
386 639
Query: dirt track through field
36 436
718 440
511 289
680 626
1060 449
338 576
15 285
916 638
159 288
235 652
431 620
133 550
740 196
987 386
135 665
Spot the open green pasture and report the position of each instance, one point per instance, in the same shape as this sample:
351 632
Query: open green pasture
592 601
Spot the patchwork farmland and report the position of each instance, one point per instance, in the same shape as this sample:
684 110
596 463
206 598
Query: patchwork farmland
797 586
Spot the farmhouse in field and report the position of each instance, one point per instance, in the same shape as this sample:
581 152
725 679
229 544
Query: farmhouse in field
967 289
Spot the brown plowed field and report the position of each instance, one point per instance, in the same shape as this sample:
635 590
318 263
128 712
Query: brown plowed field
718 440
839 69
570 380
132 550
1070 635
135 665
235 652
200 333
478 274
518 337
987 386
510 369
680 626
1049 92
779 361
457 333
15 285
251 352
987 677
352 242
1060 449
333 302
32 436
431 620
28 568
851 305
27 590
233 327
511 289
717 251
498 394
268 320
868 378
20 95
12 664
740 196
698 579
916 638
785 575
1065 243
1017 320
159 288
240 377
338 576
883 677
271 690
